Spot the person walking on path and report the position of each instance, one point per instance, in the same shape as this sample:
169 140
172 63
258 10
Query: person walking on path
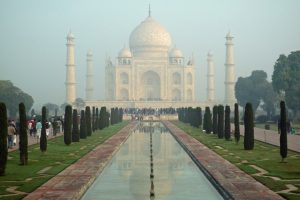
11 131
38 129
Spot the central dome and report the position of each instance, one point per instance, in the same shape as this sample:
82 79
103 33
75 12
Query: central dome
149 36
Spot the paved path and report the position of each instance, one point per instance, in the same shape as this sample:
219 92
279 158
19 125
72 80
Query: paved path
32 140
240 185
272 137
75 179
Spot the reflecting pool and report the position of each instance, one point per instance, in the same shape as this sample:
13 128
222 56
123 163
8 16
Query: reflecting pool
127 175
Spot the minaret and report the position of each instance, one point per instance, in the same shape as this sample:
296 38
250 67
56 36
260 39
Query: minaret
70 76
229 72
89 87
210 78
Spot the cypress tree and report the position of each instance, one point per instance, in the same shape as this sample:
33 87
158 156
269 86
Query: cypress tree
283 131
102 118
198 117
220 121
43 139
97 119
88 121
249 127
121 115
215 120
23 144
93 119
68 125
75 129
82 125
107 116
112 116
3 138
236 123
227 123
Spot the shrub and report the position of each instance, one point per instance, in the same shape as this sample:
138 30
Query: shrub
23 143
236 123
262 118
249 127
227 123
3 138
68 125
43 139
75 129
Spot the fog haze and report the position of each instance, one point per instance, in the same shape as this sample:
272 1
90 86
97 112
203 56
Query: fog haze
33 37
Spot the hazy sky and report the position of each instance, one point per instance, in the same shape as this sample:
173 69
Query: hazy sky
33 37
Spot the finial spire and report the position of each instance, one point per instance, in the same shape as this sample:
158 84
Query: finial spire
149 10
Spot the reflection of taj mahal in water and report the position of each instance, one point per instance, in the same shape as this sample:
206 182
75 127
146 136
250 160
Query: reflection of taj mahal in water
151 73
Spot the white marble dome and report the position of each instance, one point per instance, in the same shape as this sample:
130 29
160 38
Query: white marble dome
125 53
150 34
176 53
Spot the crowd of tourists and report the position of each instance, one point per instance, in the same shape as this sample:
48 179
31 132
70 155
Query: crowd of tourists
34 129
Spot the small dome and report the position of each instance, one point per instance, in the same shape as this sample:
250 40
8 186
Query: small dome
210 53
125 53
176 53
150 34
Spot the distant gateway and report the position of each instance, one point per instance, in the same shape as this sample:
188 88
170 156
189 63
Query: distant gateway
150 74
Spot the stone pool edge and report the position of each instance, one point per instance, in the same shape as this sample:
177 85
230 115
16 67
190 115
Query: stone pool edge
72 182
231 179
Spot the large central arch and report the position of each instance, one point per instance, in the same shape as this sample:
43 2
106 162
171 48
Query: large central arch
150 83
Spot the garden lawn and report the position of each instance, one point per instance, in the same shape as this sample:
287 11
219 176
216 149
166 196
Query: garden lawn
264 156
43 166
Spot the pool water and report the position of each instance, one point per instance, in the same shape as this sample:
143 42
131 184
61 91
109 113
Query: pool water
127 175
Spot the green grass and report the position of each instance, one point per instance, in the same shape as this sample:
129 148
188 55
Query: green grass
58 156
264 156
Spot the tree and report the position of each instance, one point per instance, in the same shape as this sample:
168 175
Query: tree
249 127
79 103
207 123
23 143
227 123
283 131
286 79
43 139
3 138
236 123
68 125
93 119
51 108
254 89
12 96
97 119
220 121
215 120
82 125
88 121
75 129
112 114
102 117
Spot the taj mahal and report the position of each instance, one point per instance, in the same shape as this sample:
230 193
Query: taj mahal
151 73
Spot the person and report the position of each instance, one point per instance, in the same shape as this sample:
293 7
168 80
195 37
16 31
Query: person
30 127
38 129
11 131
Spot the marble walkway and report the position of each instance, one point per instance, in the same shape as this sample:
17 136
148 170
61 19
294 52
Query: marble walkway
240 185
